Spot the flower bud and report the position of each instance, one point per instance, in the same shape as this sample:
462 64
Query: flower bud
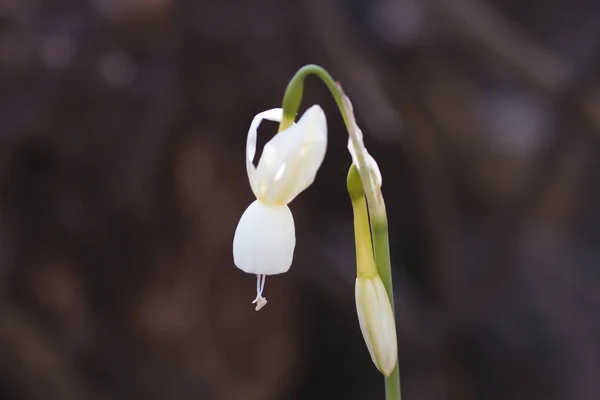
377 323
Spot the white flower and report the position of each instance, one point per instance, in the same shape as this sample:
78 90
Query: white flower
376 320
265 237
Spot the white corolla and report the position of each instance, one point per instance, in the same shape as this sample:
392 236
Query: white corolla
265 237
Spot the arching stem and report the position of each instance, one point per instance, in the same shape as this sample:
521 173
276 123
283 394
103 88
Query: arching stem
375 203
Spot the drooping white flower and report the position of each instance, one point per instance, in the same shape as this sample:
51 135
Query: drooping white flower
265 238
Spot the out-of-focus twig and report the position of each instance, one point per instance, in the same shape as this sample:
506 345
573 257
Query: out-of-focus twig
553 167
32 362
570 88
511 46
358 73
485 25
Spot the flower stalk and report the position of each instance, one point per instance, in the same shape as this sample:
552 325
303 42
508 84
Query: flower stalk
369 179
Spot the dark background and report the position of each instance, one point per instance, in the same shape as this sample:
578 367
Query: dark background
122 178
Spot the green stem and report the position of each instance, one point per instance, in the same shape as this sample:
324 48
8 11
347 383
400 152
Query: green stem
293 93
381 248
375 203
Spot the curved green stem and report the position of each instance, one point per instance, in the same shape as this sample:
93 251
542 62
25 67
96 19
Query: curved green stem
294 91
372 193
290 105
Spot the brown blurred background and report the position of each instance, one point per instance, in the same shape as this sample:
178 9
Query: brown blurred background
122 178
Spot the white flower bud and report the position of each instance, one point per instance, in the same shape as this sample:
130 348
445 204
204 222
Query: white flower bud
377 323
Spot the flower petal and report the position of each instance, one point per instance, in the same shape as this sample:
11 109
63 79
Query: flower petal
290 161
275 114
264 240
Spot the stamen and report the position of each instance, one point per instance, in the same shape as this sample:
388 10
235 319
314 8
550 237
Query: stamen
262 283
260 301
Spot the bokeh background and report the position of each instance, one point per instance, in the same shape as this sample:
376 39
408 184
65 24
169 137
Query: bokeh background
122 178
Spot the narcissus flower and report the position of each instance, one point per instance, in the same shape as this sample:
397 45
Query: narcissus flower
265 237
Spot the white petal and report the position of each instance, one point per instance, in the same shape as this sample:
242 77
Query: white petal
275 114
290 161
264 239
